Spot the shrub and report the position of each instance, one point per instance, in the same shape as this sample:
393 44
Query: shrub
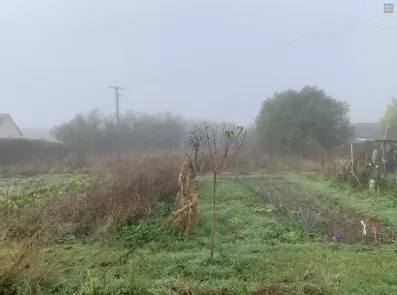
129 191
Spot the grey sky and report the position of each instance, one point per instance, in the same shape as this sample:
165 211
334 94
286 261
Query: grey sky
207 58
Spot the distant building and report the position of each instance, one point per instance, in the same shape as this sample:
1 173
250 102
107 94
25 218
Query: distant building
367 130
8 128
39 134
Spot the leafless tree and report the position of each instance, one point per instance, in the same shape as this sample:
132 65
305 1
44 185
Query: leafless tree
222 145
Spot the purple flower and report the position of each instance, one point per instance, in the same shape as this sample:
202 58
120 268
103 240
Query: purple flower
336 233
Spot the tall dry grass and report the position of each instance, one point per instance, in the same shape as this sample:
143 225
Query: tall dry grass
125 188
74 164
17 268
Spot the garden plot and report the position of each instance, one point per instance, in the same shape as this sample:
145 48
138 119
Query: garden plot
328 218
257 251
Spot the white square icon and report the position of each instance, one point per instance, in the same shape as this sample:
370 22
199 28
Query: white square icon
388 8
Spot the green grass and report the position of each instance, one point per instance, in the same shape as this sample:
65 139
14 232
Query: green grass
254 247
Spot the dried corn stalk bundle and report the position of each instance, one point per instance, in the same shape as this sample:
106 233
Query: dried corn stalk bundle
188 197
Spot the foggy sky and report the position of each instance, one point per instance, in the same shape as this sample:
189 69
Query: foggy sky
203 59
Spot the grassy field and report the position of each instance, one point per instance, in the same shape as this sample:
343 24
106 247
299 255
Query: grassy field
260 248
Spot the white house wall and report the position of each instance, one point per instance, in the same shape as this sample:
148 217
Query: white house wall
8 129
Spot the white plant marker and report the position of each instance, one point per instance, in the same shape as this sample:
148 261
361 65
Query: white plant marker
364 228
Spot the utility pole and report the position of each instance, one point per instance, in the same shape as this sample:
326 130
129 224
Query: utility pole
384 156
117 95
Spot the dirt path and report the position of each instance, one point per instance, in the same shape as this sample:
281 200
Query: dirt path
332 215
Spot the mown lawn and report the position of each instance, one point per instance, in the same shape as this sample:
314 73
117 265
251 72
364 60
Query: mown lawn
255 250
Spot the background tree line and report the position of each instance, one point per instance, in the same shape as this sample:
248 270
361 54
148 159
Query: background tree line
97 133
291 120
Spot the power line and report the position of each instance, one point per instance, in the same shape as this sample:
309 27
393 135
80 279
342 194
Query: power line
322 32
387 29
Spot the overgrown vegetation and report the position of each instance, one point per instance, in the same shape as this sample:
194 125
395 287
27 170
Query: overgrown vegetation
78 209
258 249
99 223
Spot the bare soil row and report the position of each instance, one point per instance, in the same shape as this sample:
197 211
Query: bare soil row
332 215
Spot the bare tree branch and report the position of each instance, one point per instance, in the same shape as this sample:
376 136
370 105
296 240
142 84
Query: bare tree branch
227 145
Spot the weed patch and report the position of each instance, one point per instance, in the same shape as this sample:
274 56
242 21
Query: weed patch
258 252
147 231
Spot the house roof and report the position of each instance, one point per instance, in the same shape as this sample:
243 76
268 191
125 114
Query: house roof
30 133
4 116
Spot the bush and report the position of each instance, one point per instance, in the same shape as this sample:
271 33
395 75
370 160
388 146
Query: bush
129 191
